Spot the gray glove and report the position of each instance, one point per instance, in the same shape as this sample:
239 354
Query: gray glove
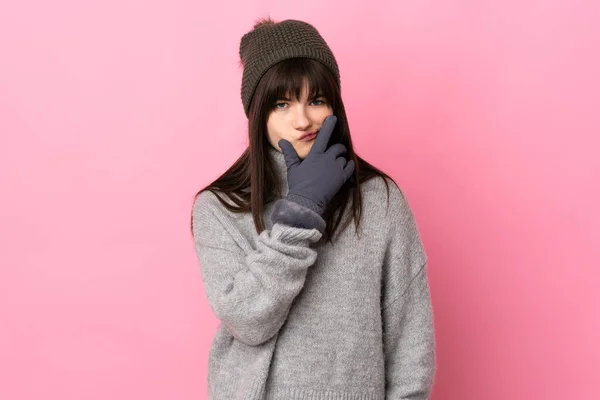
315 180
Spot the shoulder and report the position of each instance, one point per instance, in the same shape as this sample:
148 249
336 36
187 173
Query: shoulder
393 218
387 209
211 224
205 201
385 195
204 211
208 210
216 210
208 200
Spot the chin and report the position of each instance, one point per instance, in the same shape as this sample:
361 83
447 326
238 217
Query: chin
302 153
304 150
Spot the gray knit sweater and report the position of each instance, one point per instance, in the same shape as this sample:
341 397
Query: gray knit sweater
302 318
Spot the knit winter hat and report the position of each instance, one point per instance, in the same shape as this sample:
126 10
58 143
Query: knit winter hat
271 42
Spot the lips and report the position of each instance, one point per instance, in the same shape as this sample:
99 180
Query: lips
308 136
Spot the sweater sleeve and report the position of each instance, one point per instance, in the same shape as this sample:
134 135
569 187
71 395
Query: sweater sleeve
409 342
407 315
250 289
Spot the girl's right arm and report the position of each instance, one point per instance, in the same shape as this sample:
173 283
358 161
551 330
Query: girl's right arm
251 290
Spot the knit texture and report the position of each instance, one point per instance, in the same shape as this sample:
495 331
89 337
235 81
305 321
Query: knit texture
302 318
270 43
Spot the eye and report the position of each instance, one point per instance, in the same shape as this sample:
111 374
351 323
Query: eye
279 105
318 102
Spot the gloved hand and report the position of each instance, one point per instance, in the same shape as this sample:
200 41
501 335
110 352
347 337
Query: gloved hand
315 180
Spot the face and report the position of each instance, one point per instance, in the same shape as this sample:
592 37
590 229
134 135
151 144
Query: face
298 121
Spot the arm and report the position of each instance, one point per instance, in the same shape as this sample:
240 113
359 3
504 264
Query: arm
407 315
249 290
409 343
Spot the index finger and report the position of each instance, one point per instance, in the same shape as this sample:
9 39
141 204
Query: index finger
324 135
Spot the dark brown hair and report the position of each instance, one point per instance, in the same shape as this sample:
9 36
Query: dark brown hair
248 184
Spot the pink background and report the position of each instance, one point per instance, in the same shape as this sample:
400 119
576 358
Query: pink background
113 114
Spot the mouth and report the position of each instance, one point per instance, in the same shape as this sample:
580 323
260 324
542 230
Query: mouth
308 136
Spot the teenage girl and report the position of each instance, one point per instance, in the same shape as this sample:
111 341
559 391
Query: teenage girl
310 256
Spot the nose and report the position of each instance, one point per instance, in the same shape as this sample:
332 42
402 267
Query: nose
301 120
